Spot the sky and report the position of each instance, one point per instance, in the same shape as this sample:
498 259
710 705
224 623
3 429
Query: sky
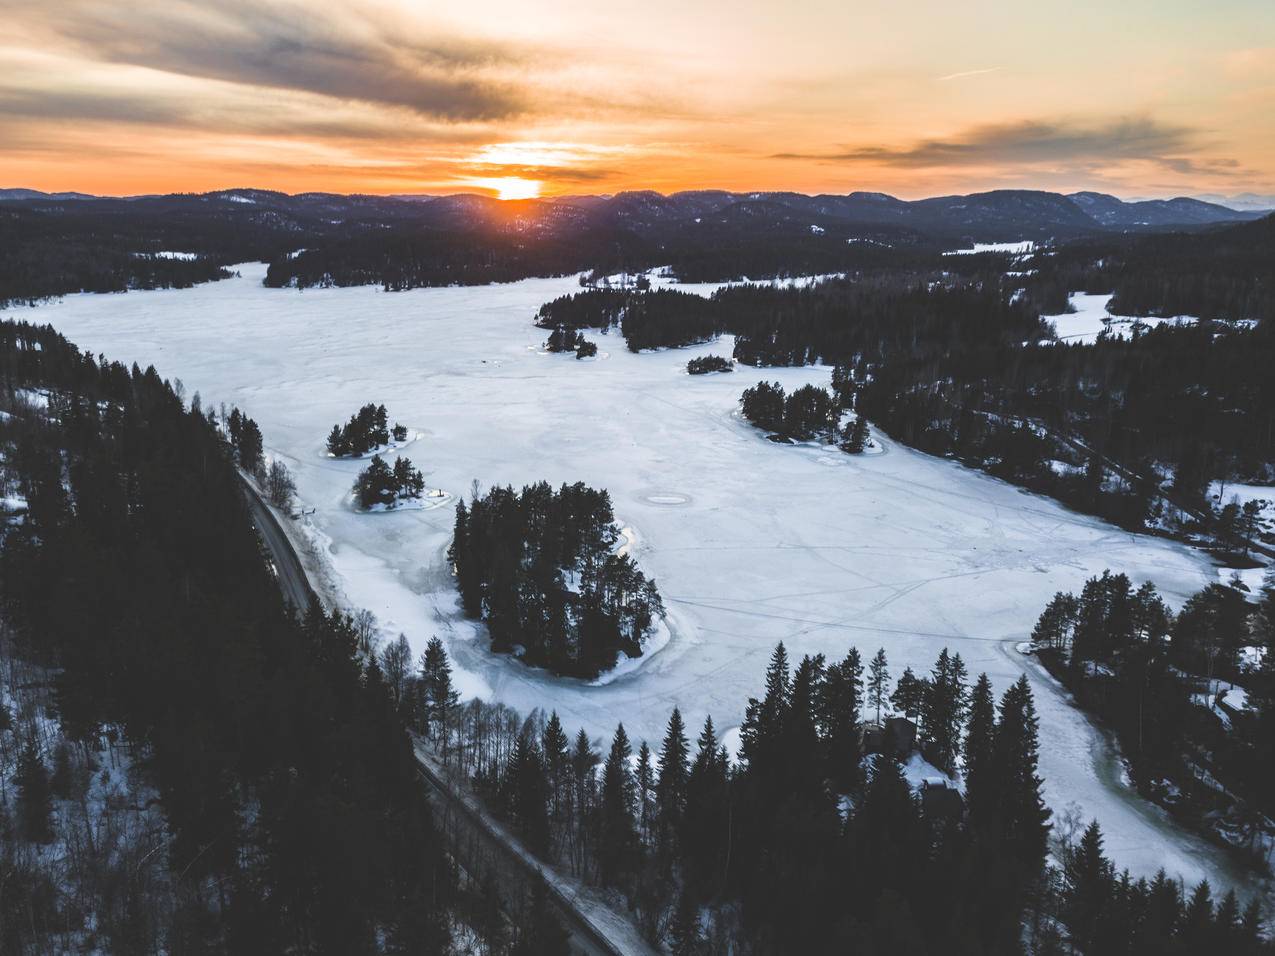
1139 98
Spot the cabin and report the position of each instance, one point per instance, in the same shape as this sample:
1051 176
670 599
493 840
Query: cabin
895 736
940 800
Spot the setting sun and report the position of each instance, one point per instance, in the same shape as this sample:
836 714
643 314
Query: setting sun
510 187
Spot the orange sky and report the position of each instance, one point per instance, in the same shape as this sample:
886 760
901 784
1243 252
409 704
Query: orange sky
912 97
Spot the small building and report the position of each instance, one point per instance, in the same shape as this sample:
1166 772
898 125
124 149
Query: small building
896 736
940 800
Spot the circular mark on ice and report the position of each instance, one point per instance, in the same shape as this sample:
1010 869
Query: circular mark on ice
667 498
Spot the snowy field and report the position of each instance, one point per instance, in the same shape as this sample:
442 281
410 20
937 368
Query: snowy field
1091 318
750 542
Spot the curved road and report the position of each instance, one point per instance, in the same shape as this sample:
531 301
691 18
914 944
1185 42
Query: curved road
475 836
287 566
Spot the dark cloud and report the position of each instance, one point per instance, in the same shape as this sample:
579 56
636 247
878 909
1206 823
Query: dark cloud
83 107
357 53
1029 142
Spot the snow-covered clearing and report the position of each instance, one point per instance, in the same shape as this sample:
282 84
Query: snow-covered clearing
1091 318
1013 248
749 541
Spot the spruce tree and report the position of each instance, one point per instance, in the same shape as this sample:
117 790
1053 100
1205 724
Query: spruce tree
980 742
35 799
670 788
842 728
617 836
1087 881
909 695
878 682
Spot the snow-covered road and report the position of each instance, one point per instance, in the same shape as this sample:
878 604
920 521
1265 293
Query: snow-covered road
750 542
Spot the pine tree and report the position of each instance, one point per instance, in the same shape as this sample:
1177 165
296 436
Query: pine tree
617 837
1022 813
878 682
527 794
1087 887
980 742
670 789
1196 931
440 698
909 695
943 711
763 720
557 756
854 436
541 934
685 937
842 728
705 825
35 800
644 780
336 442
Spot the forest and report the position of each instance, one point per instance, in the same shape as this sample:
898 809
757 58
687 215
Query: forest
1194 715
1125 428
539 567
150 662
817 837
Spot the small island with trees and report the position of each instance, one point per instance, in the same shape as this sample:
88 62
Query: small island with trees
367 432
380 487
563 339
709 363
539 566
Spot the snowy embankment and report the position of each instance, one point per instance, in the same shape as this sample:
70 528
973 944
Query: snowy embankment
750 542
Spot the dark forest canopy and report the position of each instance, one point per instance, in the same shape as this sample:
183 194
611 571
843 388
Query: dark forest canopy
538 567
1160 680
835 321
293 814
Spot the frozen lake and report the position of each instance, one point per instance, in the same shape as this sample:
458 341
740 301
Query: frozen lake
750 542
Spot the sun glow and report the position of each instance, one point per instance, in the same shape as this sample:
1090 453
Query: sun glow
509 187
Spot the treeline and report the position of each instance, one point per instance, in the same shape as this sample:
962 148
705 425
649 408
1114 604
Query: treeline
1216 274
368 428
404 257
292 819
835 321
1111 428
1159 681
538 567
660 318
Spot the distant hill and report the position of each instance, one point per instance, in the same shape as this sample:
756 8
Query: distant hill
996 216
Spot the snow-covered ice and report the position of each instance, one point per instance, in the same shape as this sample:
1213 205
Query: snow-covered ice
749 541
1091 318
1014 248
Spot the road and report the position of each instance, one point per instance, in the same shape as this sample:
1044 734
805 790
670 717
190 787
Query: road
478 842
483 843
287 566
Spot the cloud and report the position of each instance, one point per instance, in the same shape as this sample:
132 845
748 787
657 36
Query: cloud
1029 142
965 73
358 52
